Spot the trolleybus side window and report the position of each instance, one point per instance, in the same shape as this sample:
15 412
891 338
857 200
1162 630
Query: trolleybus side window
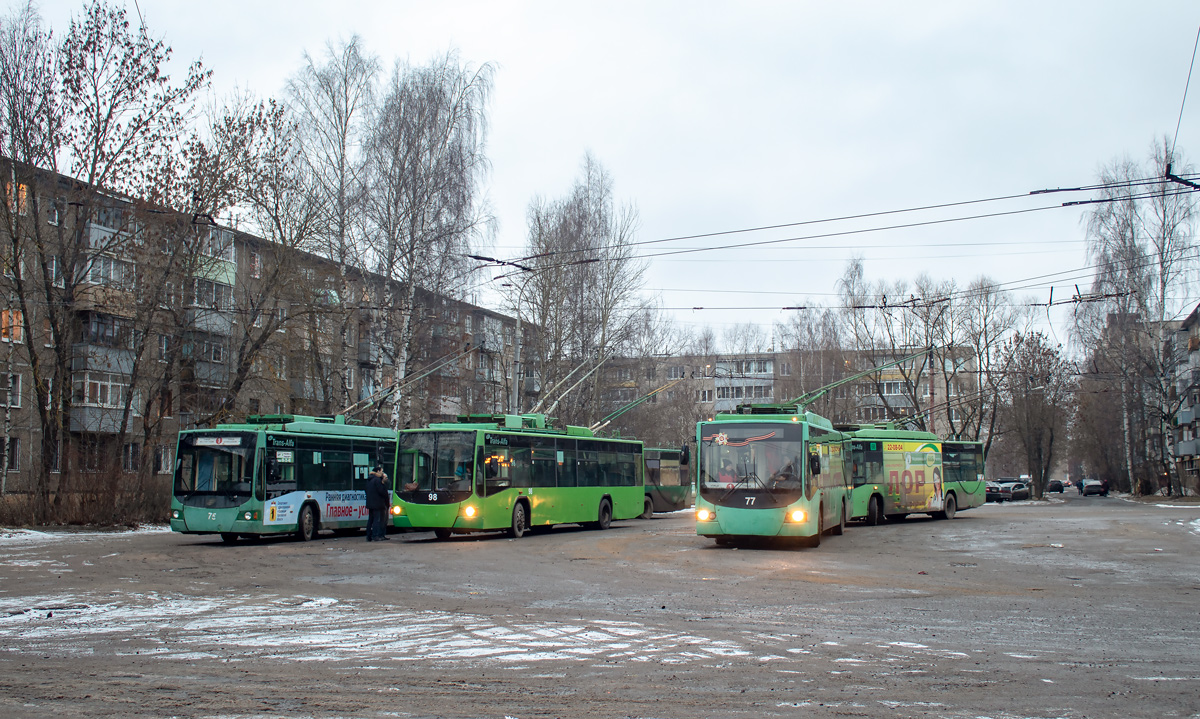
545 463
567 468
867 459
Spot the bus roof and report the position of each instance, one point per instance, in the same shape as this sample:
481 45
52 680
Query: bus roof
781 414
886 431
302 424
531 423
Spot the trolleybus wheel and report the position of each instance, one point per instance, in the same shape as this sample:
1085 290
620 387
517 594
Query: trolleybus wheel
441 533
815 540
604 515
228 537
648 509
874 511
306 526
951 508
517 530
840 527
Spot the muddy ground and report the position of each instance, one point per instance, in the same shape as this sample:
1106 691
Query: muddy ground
1077 607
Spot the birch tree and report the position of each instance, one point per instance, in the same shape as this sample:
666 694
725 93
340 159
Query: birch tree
425 204
331 100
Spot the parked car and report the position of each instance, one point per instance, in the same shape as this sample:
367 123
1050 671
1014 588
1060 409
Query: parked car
1017 491
1054 485
993 493
1094 486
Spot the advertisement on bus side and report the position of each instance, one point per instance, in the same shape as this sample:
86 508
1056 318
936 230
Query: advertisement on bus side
336 506
913 471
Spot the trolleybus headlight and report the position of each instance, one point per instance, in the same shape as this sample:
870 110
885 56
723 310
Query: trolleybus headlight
247 515
396 509
174 514
468 511
703 515
797 515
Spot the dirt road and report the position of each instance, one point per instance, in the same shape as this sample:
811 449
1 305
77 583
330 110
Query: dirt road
1083 607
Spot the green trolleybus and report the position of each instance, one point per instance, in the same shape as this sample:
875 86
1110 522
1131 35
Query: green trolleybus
276 474
515 473
668 486
770 472
895 473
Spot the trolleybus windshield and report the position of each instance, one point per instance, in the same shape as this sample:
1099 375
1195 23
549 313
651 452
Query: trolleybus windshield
442 463
215 469
763 459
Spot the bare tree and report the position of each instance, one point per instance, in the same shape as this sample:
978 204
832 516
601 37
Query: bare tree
1140 238
115 119
583 290
331 100
1038 392
425 203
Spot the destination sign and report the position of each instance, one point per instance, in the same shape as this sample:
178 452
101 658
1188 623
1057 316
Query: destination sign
218 442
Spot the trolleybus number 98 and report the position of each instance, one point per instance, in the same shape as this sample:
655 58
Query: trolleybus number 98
433 496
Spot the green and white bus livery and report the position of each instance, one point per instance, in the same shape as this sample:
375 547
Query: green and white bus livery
770 473
276 474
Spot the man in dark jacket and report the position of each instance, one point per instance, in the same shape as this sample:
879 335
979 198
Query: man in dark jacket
379 501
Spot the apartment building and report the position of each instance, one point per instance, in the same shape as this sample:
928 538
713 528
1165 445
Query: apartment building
140 322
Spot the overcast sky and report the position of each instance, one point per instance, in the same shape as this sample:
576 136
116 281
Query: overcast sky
724 116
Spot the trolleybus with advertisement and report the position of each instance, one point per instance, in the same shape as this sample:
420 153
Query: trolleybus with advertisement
276 474
895 473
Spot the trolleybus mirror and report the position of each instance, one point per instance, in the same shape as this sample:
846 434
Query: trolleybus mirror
685 455
814 463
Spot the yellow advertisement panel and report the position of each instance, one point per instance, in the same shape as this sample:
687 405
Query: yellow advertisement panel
914 476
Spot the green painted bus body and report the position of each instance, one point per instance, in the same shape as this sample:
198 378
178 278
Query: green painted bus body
261 476
895 473
767 474
470 476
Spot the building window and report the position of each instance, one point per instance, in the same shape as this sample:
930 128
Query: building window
18 197
108 331
100 389
11 326
674 372
212 295
162 459
105 270
13 447
785 369
10 395
704 395
131 456
218 244
255 265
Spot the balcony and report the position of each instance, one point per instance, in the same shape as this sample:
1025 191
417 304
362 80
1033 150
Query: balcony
1187 415
214 374
1187 448
214 322
104 420
97 358
368 354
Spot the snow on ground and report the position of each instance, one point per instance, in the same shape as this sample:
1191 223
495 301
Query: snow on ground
30 537
306 628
